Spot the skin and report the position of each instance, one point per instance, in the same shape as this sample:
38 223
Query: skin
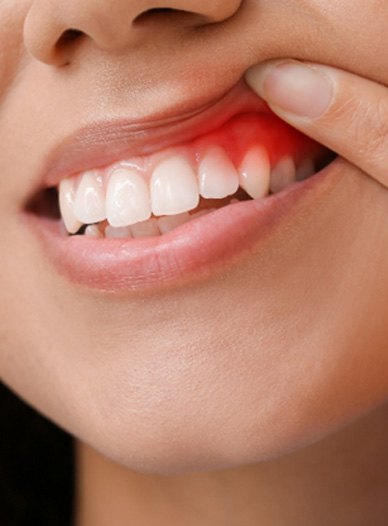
259 389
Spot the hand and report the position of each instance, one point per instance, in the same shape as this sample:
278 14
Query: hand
346 113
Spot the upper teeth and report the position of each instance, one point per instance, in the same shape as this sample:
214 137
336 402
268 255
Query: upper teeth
89 204
174 187
283 174
127 198
127 195
255 163
218 177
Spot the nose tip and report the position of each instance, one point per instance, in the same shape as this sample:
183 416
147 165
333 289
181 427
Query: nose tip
52 27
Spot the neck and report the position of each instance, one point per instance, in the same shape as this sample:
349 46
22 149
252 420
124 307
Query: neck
340 480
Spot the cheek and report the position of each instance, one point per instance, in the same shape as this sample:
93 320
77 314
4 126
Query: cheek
266 358
11 41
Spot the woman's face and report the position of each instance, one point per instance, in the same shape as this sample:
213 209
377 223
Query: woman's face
236 364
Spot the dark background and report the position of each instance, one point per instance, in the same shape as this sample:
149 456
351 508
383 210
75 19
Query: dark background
36 467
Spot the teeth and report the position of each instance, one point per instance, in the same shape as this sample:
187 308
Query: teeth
147 228
127 198
66 204
255 173
89 205
202 213
305 169
283 174
117 233
93 231
174 187
218 177
174 190
168 223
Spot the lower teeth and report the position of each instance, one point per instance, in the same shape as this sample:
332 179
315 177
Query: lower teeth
153 227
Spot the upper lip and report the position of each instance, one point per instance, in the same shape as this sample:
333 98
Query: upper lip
105 142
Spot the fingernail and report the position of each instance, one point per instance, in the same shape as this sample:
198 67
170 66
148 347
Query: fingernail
293 87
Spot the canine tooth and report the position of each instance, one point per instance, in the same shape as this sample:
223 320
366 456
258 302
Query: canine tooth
89 204
117 233
218 177
168 223
127 198
305 169
93 231
255 172
282 175
147 228
174 187
66 205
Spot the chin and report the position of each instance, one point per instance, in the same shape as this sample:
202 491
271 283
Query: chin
168 423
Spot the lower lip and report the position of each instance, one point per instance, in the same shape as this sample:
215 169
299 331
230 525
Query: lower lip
196 250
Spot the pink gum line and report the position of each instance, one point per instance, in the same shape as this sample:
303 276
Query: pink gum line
236 138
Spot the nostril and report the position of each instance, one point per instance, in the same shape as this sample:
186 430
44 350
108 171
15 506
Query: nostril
164 13
159 10
65 43
153 13
69 37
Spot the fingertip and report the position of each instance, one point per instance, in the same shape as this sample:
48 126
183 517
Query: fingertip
299 89
256 75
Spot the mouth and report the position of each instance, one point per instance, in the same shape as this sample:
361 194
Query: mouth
125 209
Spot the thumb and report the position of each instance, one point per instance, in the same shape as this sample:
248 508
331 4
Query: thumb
345 112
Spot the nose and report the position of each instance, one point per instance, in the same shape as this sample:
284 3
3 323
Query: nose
52 26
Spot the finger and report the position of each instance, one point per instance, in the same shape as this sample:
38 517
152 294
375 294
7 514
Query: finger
346 113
